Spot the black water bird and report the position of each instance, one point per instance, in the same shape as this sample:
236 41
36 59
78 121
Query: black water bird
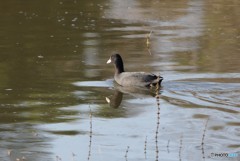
140 79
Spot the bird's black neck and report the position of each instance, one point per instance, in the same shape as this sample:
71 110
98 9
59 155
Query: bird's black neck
119 67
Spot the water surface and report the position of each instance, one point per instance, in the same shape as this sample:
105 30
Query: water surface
58 99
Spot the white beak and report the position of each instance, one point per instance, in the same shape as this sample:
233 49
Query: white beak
108 100
109 61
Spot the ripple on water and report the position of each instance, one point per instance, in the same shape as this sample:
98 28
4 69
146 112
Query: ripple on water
213 96
205 93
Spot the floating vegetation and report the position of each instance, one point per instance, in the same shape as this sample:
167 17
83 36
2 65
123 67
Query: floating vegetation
180 148
148 42
203 138
145 148
58 158
158 123
126 154
168 146
73 157
90 135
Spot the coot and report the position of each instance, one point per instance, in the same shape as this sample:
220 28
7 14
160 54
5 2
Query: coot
140 79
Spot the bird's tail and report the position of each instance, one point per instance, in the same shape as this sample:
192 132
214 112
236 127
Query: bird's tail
159 79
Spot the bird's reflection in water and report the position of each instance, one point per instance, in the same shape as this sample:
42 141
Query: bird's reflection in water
115 100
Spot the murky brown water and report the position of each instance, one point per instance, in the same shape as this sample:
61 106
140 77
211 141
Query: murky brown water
54 80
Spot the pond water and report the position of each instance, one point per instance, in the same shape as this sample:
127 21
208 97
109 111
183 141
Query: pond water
58 99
